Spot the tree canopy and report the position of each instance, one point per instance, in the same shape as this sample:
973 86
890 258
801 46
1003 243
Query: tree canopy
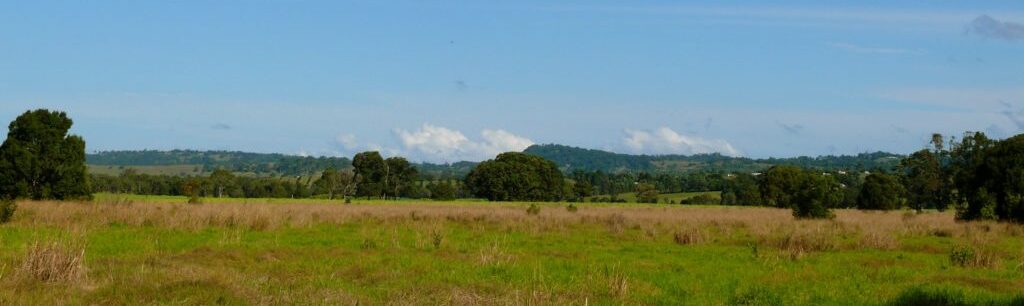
40 160
516 176
879 191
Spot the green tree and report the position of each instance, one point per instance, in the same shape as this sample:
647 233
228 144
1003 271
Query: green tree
40 160
994 185
370 168
816 194
442 191
516 176
398 175
582 189
924 181
335 183
221 180
780 184
741 189
646 193
879 191
966 158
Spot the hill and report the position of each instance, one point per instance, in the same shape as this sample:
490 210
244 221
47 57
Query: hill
192 162
572 158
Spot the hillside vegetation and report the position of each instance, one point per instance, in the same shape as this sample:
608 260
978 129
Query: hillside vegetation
573 158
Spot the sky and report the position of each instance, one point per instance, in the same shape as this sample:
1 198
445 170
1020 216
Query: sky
443 81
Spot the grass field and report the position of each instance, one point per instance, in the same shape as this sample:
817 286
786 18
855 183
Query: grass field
159 250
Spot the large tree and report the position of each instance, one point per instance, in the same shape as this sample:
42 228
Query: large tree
516 176
40 160
780 185
879 191
741 189
923 178
371 169
993 182
399 174
816 194
221 180
336 183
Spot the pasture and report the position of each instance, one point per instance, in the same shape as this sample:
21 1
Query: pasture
159 250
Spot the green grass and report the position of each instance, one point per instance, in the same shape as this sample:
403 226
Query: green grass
376 260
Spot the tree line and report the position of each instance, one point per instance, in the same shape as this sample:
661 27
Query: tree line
980 178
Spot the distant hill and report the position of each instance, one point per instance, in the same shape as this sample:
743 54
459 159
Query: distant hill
258 163
191 162
572 158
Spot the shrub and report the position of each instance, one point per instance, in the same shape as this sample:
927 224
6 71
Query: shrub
705 198
533 209
930 296
968 256
7 207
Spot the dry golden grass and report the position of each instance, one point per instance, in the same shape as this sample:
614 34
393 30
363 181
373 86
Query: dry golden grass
53 261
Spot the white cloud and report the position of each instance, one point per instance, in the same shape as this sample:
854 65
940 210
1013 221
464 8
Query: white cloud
667 141
347 141
439 144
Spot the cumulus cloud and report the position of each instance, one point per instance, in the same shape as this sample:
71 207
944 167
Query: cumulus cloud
667 141
987 26
440 144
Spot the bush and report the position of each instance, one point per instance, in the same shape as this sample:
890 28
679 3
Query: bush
968 256
705 198
7 207
572 207
533 209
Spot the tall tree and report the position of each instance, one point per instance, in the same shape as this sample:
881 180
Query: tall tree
879 191
221 180
741 189
514 176
924 181
370 167
40 160
780 184
993 185
398 174
336 183
815 196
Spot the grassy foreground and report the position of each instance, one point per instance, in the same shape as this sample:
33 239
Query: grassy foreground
136 250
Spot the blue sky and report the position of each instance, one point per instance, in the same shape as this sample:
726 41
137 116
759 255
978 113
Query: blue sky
445 81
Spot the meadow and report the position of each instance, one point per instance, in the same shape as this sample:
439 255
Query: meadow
160 250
